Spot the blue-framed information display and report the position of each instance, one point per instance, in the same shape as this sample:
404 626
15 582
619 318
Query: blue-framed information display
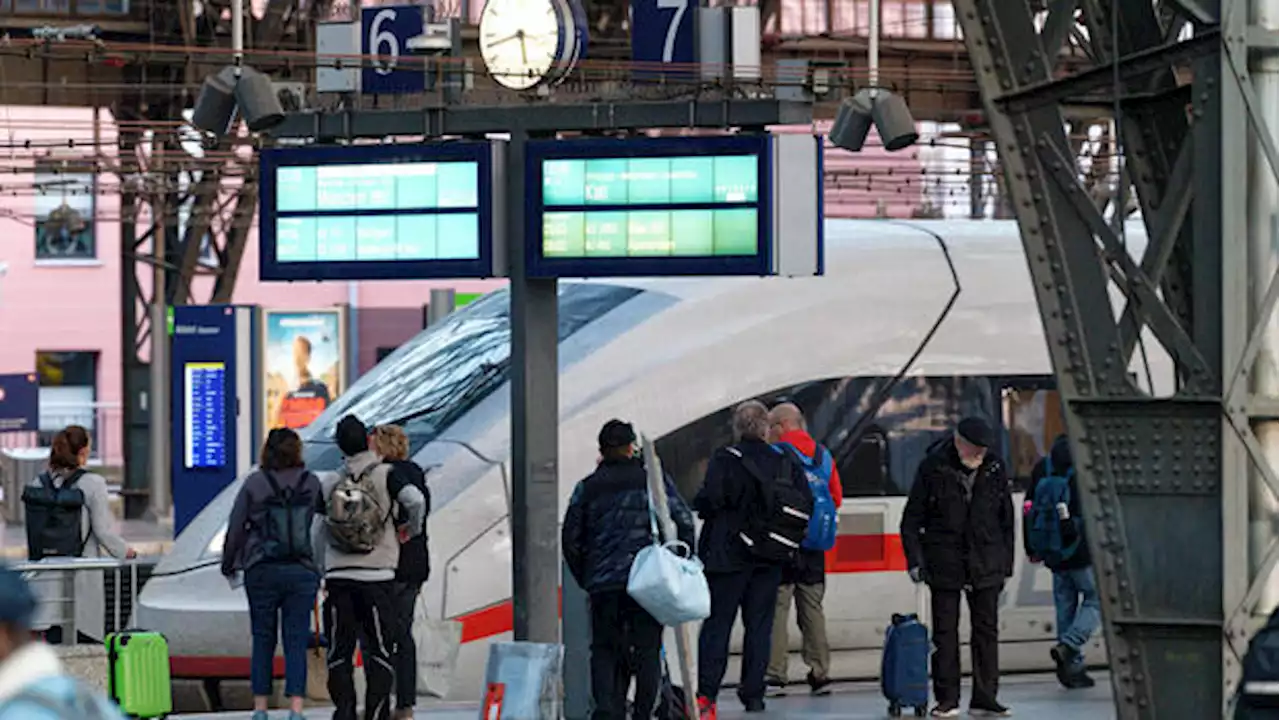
650 206
376 212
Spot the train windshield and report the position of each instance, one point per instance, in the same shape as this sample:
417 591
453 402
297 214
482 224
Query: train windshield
432 380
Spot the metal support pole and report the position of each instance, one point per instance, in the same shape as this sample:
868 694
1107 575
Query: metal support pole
237 35
977 161
159 391
873 47
535 418
443 302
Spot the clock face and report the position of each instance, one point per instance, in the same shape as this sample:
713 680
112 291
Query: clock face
521 40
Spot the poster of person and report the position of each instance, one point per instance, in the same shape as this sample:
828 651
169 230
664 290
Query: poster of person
302 365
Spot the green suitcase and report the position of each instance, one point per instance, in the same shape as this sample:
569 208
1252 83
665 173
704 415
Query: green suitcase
138 673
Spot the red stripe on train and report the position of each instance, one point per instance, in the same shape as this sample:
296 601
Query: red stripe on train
852 554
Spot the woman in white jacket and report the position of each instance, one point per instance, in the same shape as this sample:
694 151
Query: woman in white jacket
47 499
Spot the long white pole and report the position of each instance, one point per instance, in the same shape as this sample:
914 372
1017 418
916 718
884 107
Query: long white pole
873 47
237 35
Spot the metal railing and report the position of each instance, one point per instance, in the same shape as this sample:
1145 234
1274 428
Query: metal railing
104 421
53 581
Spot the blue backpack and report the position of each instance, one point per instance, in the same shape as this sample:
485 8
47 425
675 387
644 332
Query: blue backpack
1044 531
823 521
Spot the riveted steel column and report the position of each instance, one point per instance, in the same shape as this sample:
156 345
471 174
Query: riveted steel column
1161 470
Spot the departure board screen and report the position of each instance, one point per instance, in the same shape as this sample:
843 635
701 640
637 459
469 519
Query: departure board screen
376 212
644 206
206 414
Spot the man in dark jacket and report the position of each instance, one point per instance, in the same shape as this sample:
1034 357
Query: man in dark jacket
1075 591
728 502
607 523
957 532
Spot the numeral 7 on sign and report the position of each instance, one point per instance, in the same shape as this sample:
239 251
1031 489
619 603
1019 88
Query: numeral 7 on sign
680 7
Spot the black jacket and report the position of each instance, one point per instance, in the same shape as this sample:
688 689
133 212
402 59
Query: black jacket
415 558
959 541
808 568
728 498
1060 455
608 522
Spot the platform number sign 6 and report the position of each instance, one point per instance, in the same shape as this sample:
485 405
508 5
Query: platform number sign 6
662 33
385 32
379 36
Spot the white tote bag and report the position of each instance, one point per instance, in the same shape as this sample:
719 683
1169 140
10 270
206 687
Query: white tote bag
667 581
437 643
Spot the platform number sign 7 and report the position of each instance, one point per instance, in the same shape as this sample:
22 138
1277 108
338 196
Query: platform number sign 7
673 25
385 32
662 33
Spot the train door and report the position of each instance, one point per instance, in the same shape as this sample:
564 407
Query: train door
867 578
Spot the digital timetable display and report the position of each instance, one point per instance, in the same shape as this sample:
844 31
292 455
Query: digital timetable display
206 415
376 212
669 206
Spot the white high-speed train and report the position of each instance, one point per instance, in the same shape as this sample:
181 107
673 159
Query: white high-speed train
673 356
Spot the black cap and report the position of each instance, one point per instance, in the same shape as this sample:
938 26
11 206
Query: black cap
351 436
976 431
616 434
17 602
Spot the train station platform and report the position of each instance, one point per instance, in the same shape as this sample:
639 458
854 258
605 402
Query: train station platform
1029 696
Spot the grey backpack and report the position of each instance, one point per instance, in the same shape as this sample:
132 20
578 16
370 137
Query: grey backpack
353 515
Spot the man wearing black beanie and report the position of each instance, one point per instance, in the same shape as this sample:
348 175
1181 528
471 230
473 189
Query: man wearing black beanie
957 532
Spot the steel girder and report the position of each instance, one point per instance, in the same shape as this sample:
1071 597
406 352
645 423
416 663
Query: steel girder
1164 478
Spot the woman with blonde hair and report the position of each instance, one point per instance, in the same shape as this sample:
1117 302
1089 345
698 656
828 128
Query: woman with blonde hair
392 444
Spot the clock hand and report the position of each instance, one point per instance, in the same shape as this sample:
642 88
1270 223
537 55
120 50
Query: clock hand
507 39
524 55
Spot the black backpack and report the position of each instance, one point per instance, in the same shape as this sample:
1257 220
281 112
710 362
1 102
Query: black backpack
287 528
54 518
776 528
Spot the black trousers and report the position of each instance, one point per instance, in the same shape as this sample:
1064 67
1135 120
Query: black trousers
406 597
755 591
984 644
365 611
624 639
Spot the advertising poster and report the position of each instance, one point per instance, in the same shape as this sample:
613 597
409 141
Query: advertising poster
19 403
302 364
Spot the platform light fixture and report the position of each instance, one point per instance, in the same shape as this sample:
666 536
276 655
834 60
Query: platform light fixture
873 105
237 87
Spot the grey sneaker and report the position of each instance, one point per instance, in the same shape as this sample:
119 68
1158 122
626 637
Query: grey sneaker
945 710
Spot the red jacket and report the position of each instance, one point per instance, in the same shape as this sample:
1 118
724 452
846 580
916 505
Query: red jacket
804 442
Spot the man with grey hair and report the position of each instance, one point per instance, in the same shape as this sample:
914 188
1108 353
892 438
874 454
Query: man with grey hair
733 502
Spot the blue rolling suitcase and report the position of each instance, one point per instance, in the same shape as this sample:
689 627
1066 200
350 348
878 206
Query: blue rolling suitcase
904 669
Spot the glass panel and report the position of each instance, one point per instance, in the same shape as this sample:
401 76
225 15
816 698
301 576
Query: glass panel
64 213
881 459
944 20
1032 418
432 380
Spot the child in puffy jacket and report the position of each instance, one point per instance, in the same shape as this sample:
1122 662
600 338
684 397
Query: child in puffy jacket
33 684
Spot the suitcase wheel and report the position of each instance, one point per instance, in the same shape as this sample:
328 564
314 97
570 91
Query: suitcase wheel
895 710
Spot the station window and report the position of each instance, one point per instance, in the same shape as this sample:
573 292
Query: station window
878 456
64 211
68 386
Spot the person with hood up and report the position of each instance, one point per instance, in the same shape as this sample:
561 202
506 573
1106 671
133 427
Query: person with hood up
1075 590
33 683
957 533
805 581
606 524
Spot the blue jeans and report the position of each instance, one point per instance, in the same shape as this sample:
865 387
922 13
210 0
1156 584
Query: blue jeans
281 598
1075 596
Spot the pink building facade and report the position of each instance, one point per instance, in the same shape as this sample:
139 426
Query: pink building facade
61 265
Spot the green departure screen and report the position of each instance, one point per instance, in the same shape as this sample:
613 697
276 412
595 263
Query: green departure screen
379 211
682 206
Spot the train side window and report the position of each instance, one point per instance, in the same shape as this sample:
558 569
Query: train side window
1031 412
867 469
